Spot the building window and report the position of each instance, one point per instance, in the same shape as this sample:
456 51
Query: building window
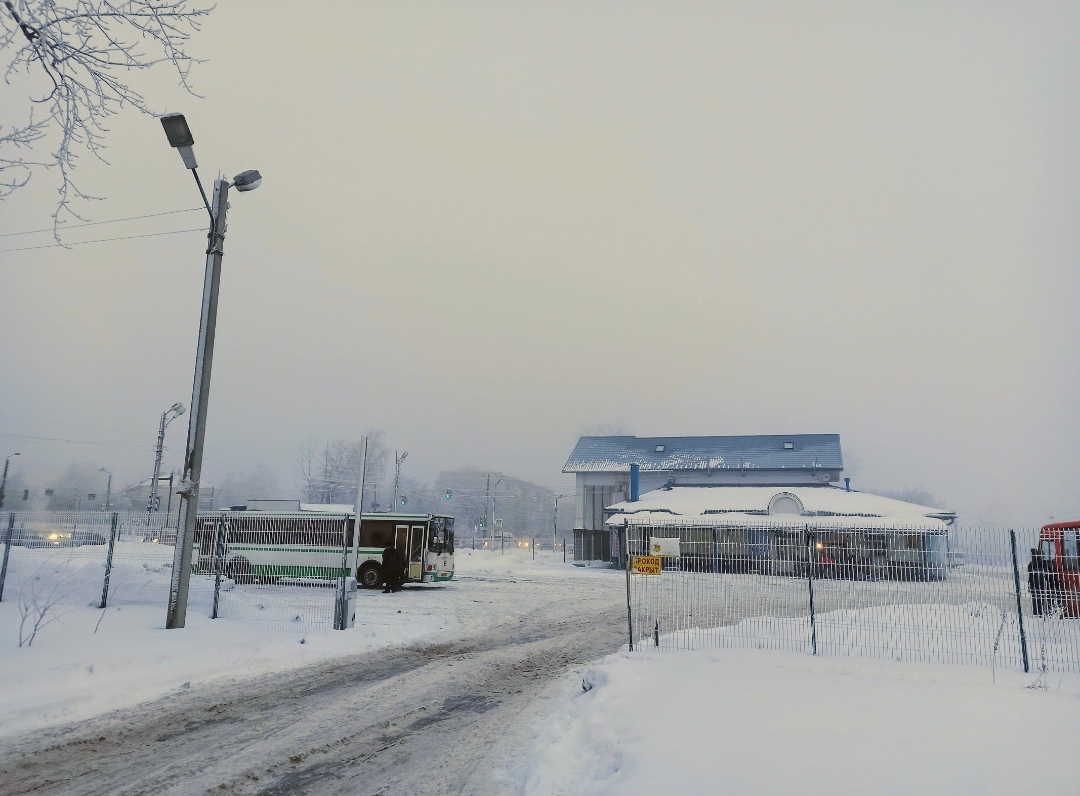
785 503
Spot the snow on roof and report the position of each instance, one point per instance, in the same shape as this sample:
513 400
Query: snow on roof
328 508
742 505
760 451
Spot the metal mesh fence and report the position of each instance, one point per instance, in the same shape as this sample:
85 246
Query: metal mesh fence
965 595
274 570
87 557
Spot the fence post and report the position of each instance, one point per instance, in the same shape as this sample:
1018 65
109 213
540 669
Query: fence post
7 552
340 622
630 615
1019 604
218 560
810 583
108 562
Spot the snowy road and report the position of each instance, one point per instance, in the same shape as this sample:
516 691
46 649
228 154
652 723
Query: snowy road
433 719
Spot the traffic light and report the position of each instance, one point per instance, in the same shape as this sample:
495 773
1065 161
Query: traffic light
449 494
404 500
481 523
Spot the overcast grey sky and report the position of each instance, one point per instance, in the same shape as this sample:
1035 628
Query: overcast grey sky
485 227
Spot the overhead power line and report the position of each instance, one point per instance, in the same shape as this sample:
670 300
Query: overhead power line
66 227
104 240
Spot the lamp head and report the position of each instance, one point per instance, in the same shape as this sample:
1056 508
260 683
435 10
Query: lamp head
247 180
179 135
178 408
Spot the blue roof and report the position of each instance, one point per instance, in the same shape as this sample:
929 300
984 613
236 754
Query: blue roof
759 451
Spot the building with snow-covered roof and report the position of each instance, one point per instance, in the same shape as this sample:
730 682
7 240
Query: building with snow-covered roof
601 466
783 530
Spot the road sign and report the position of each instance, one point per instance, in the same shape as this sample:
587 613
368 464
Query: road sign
498 523
645 565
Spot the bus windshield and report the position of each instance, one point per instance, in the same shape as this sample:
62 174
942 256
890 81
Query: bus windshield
441 535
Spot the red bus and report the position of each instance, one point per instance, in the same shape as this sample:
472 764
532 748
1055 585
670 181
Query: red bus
1056 566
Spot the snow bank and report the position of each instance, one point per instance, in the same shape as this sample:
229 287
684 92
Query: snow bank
754 721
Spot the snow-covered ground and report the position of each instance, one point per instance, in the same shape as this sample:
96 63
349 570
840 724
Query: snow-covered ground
766 721
706 721
87 662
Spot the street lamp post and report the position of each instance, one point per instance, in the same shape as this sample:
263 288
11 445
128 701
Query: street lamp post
3 481
167 417
108 488
397 475
180 137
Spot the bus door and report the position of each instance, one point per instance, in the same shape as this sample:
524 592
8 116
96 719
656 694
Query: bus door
416 552
401 542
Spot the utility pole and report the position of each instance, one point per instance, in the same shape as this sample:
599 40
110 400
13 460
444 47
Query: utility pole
3 481
108 488
489 503
188 490
555 523
494 521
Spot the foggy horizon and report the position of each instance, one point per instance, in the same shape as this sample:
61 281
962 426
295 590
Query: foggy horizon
487 230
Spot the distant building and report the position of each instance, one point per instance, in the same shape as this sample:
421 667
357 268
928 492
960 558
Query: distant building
137 496
602 469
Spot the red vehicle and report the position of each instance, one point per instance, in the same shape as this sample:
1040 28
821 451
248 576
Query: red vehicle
1058 557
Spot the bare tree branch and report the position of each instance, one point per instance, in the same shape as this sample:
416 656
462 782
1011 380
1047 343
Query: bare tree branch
79 54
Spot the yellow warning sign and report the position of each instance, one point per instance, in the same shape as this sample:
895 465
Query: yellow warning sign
645 565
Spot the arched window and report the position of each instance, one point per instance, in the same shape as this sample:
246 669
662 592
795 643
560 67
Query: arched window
785 503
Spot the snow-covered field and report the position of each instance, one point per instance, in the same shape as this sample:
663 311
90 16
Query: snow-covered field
766 721
705 721
87 662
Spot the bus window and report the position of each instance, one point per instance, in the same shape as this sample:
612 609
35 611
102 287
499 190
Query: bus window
401 540
440 537
1046 549
1070 556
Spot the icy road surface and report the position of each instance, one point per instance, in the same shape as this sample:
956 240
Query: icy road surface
445 718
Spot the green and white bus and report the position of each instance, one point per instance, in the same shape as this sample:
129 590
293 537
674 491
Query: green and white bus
270 546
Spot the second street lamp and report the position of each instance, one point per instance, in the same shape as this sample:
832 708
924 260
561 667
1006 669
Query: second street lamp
180 137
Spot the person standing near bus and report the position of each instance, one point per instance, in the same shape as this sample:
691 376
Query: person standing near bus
392 567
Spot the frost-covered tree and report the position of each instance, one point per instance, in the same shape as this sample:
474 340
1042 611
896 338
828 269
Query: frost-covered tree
913 494
75 59
72 489
330 473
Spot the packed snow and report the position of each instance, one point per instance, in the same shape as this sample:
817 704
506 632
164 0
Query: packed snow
765 721
89 662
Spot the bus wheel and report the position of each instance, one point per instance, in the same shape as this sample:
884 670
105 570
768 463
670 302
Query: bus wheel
370 576
239 569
